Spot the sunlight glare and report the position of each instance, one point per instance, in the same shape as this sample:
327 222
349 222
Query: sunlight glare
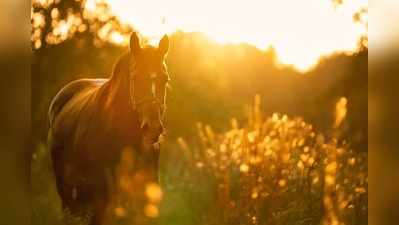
300 31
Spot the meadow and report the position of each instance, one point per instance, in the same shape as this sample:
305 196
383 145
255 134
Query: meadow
269 169
248 140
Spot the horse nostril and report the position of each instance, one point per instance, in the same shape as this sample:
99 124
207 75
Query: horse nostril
145 127
144 122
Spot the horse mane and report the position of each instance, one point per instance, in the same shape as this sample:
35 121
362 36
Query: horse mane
121 64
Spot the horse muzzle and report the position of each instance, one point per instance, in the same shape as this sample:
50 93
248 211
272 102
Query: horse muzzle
151 132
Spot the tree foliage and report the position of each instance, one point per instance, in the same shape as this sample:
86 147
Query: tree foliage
56 21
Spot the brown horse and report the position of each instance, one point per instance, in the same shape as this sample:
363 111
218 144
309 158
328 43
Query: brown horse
92 120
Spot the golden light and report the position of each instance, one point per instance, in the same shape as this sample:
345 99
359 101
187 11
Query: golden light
300 31
282 183
63 28
90 5
151 211
120 212
153 192
340 111
118 38
244 168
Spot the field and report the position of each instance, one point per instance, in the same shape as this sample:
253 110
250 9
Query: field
249 139
269 170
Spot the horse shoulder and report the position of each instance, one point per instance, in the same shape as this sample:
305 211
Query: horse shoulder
68 92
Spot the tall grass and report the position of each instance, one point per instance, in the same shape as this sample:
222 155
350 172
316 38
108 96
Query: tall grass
279 170
268 170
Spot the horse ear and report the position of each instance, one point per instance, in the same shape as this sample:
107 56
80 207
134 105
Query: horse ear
134 43
164 45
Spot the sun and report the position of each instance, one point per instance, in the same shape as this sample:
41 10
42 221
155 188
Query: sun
300 31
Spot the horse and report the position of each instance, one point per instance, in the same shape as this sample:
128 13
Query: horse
92 120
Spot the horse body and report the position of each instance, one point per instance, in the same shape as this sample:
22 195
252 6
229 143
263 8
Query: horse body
89 128
91 122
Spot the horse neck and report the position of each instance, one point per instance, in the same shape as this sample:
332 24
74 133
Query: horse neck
118 88
118 108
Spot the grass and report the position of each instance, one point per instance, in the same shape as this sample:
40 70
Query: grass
269 170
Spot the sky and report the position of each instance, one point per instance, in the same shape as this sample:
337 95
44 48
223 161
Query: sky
300 31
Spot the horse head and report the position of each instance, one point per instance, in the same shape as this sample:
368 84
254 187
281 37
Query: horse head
148 77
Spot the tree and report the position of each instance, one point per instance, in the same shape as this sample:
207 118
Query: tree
55 21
